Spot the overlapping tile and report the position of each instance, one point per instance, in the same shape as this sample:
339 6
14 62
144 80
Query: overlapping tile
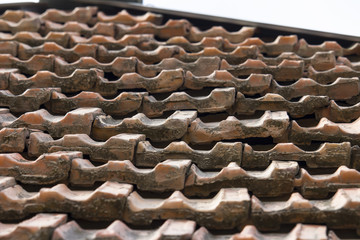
228 209
76 121
148 57
165 81
196 35
201 67
6 182
46 169
31 66
338 113
13 139
124 103
80 14
332 74
307 50
166 176
35 39
142 41
341 89
118 66
329 155
219 100
276 180
106 29
29 100
319 186
254 84
124 17
338 212
172 128
170 29
299 232
119 147
170 229
272 124
285 71
79 80
306 105
327 131
25 51
107 202
41 226
216 158
320 61
15 15
25 24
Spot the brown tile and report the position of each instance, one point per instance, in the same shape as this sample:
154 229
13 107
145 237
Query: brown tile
352 50
124 17
272 124
165 81
30 100
307 50
170 229
123 104
13 139
216 158
320 61
166 176
79 80
31 66
341 89
219 100
329 155
118 66
46 169
201 67
6 182
338 212
25 24
14 15
76 121
254 84
285 71
237 56
80 14
276 180
327 131
279 45
170 29
206 42
306 105
158 130
148 57
196 35
299 232
106 29
106 203
337 113
9 48
35 39
142 41
319 186
228 209
119 147
41 226
345 61
331 75
69 54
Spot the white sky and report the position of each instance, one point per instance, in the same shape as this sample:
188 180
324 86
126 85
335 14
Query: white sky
334 16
